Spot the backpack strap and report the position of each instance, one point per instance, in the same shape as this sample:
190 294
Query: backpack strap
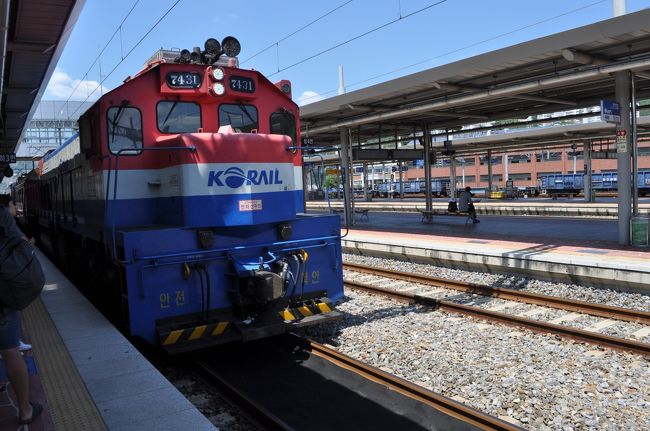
9 247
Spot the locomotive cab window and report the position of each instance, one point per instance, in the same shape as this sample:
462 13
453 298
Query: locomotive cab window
242 118
124 130
284 123
178 117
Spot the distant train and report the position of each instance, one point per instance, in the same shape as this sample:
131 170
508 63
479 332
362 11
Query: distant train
573 184
439 188
180 205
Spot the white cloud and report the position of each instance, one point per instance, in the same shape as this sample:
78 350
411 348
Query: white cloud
308 97
62 85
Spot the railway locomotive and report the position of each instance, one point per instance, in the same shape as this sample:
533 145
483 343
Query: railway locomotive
180 202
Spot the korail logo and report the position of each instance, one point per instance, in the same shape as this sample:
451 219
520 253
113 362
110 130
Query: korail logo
235 177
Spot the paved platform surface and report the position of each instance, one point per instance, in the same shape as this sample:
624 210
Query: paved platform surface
583 251
87 374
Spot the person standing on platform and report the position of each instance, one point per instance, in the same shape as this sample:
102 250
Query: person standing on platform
10 340
465 204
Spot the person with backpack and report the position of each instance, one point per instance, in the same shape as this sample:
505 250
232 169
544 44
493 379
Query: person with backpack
20 277
466 204
7 202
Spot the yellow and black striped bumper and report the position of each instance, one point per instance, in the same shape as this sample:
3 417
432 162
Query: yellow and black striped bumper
199 334
177 337
292 314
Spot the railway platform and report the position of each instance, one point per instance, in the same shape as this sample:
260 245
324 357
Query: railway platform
87 375
573 250
562 207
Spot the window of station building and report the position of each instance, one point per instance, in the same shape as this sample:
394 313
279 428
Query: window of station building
548 156
284 123
468 178
644 151
178 117
242 118
495 178
124 130
519 158
496 160
520 177
467 161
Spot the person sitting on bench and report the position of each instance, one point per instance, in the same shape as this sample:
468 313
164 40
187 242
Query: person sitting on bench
465 204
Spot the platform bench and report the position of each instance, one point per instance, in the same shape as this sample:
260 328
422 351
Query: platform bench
428 215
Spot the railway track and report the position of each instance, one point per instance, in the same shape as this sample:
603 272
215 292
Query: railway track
409 414
600 310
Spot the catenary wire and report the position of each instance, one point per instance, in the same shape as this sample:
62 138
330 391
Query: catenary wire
128 53
117 29
359 36
297 31
460 49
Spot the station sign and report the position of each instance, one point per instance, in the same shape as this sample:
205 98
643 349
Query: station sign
7 157
332 172
621 141
610 111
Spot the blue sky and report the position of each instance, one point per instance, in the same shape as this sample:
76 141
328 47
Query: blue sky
448 31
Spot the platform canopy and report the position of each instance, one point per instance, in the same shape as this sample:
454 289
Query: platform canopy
561 72
32 37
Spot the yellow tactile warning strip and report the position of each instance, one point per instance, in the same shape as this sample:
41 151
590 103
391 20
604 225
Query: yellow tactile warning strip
71 406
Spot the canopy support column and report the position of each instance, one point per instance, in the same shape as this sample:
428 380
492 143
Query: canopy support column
426 144
622 90
589 195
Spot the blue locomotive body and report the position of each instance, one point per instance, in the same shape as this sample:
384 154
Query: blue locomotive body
179 208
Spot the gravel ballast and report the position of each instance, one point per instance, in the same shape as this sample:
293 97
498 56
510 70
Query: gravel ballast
537 381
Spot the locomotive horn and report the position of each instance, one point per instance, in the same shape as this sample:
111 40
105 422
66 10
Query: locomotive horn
212 46
230 46
185 56
195 56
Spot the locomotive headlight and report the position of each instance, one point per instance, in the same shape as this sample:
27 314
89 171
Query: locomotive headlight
218 73
218 88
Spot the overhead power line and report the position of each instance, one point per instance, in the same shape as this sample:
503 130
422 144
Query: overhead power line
129 53
297 31
462 48
117 30
359 36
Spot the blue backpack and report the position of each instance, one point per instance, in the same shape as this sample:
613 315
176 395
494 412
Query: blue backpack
21 274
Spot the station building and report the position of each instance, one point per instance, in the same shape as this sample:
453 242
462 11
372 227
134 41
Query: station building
522 167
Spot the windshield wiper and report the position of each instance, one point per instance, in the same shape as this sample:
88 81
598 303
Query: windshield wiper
170 112
116 119
245 111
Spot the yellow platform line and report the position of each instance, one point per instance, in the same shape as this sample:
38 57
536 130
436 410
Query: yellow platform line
61 381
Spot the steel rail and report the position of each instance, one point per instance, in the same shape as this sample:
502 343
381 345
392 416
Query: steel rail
448 406
258 413
594 309
534 325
